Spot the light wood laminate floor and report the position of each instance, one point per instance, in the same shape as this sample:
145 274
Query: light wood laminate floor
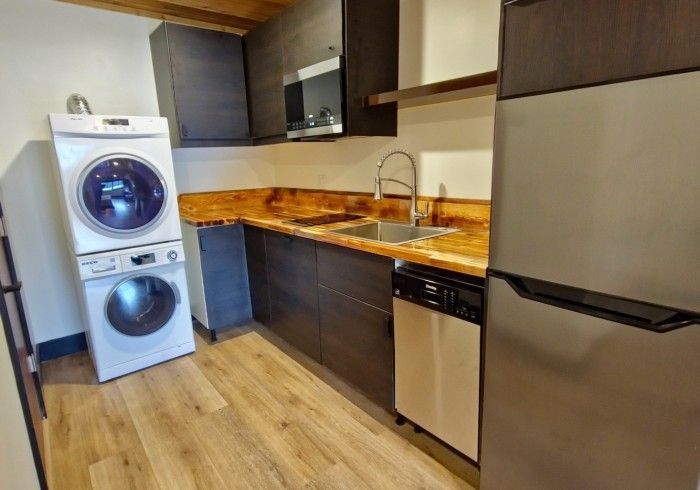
236 414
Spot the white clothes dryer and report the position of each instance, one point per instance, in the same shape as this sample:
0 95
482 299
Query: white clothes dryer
117 181
135 307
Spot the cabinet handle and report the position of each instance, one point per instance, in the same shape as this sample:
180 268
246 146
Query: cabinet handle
389 326
202 243
12 288
183 129
287 238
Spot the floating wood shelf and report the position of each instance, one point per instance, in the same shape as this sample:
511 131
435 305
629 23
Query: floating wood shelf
458 88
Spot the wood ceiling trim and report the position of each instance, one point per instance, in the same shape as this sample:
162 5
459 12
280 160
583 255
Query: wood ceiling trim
259 10
178 13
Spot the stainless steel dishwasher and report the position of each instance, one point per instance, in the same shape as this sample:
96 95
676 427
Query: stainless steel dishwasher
437 340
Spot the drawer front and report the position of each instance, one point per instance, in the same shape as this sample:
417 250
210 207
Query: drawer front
360 275
550 45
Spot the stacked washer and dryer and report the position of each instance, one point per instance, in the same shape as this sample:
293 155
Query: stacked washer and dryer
120 209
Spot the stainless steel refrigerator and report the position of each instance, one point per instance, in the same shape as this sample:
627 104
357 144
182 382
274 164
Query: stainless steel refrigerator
592 338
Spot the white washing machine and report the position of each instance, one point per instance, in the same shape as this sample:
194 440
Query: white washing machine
117 181
135 307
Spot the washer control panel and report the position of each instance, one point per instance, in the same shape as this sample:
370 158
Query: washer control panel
109 263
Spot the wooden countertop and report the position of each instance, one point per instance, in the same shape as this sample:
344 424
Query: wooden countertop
464 251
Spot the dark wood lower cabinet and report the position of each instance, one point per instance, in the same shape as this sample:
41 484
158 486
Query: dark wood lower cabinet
291 271
357 343
257 273
348 326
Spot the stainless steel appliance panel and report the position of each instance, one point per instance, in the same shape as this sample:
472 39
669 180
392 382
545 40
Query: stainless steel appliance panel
573 401
437 360
598 188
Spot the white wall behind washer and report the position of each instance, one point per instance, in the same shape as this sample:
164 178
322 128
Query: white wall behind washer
48 50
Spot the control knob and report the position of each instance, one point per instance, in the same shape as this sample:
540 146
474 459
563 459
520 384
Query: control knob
172 255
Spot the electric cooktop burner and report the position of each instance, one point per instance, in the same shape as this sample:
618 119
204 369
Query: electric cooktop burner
325 219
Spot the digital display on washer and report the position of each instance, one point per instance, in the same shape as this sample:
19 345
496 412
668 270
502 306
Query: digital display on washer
115 122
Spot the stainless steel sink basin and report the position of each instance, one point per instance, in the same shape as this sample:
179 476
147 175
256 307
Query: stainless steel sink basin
394 233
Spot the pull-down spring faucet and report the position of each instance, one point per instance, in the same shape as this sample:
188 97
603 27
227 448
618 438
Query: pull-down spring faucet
415 215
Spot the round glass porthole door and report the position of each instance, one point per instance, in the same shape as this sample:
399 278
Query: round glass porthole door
122 193
140 305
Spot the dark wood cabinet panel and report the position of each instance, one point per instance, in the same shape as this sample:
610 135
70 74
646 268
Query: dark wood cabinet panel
291 267
372 65
361 275
222 257
200 82
550 45
263 49
312 31
257 273
357 344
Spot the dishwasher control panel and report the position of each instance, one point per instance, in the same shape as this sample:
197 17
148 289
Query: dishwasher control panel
455 297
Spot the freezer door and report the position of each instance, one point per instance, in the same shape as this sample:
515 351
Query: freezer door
575 401
599 188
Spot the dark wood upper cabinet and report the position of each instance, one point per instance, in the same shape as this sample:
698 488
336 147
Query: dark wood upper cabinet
200 83
364 32
313 32
263 49
291 272
550 45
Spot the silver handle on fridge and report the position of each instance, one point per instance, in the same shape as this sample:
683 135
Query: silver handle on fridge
648 316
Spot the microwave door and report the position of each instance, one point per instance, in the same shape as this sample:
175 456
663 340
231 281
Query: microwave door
314 100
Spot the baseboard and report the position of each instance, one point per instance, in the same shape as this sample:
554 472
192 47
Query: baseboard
63 346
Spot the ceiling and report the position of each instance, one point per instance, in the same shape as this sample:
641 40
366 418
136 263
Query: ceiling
237 16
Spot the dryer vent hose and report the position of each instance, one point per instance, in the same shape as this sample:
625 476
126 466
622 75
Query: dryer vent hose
77 104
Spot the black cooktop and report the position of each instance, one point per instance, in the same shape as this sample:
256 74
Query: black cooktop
325 219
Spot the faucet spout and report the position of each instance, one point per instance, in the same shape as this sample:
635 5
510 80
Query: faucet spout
415 214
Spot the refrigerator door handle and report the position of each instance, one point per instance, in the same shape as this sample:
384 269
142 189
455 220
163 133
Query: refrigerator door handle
648 316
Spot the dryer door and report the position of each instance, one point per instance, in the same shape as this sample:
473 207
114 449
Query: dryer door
140 305
122 193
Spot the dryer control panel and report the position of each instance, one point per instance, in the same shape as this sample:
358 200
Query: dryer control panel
129 260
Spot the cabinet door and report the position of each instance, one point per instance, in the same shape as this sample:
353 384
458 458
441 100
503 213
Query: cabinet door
257 274
263 56
291 263
312 32
357 344
360 275
224 276
556 44
208 84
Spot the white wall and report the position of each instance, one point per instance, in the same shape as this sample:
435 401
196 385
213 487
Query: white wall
439 39
452 141
213 169
444 39
17 469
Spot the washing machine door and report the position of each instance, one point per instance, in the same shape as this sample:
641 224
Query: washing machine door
122 193
142 304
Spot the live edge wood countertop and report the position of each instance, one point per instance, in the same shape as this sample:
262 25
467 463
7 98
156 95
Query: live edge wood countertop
271 208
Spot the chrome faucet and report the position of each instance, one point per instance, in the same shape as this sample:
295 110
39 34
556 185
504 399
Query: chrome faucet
415 215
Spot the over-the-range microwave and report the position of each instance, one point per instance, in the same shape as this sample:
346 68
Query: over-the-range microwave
314 99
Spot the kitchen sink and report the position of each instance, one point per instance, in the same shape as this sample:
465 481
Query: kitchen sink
394 233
